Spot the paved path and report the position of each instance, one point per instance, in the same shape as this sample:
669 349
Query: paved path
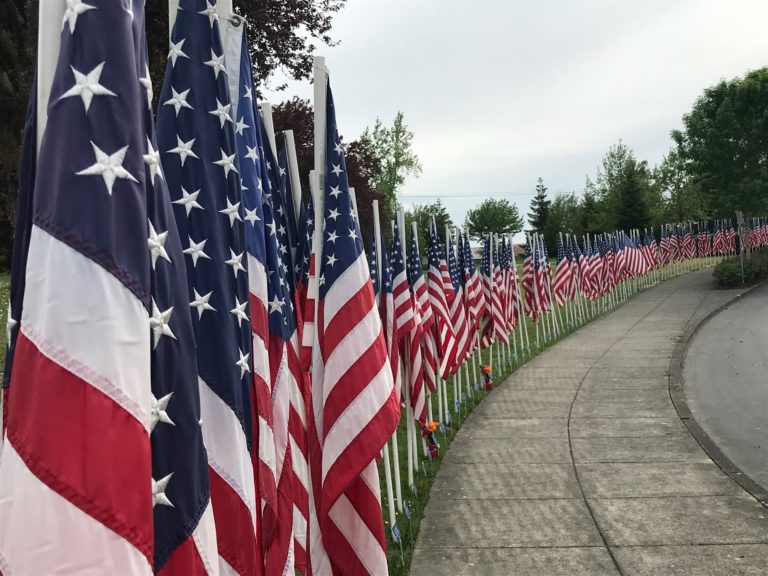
579 464
726 376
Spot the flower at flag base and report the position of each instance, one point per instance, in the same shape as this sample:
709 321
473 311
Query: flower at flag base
487 373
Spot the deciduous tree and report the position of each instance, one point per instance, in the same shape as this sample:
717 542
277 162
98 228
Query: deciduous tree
498 216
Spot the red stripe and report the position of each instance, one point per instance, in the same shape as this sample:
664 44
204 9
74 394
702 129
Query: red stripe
350 315
277 554
100 460
234 532
185 560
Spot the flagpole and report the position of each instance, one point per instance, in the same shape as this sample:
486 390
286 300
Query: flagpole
293 173
385 450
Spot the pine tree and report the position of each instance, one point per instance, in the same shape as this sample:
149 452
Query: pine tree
539 213
632 210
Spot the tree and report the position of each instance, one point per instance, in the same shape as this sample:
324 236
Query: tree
682 199
18 25
393 147
565 215
297 114
493 216
422 214
282 36
724 143
537 217
632 207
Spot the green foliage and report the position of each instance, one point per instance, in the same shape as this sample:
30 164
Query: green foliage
422 214
728 272
632 207
539 213
724 143
492 215
566 214
682 199
393 148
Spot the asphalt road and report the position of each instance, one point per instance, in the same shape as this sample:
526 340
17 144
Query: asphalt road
726 382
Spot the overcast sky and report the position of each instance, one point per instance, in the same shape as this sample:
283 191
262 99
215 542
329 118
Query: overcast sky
500 92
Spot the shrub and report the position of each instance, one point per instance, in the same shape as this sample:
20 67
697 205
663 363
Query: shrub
728 272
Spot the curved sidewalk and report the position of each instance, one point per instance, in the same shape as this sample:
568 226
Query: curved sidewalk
579 464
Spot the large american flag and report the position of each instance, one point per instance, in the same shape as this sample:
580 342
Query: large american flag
444 330
359 410
103 341
419 287
563 278
196 136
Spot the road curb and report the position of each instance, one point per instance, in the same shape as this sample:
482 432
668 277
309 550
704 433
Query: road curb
677 395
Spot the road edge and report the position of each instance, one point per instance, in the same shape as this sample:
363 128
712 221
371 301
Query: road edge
676 388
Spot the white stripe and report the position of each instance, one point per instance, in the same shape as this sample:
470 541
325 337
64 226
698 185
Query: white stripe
281 401
225 442
204 538
257 279
300 466
297 401
345 287
299 527
356 532
225 569
71 301
356 416
349 349
41 532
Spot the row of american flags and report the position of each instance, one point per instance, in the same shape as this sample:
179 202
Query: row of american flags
205 372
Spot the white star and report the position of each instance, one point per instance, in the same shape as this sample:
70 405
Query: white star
158 492
74 9
272 228
217 63
321 280
152 159
156 244
276 305
227 162
337 169
87 86
146 82
282 171
334 214
158 322
251 216
158 413
210 11
221 112
240 126
184 149
338 149
201 303
235 261
108 166
177 52
10 324
233 211
248 93
239 311
189 200
243 363
332 260
353 234
335 191
252 154
332 237
178 100
196 251
282 228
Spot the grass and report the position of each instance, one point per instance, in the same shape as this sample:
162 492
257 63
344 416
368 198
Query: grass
399 555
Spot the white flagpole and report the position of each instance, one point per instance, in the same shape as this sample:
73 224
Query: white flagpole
293 173
269 127
385 451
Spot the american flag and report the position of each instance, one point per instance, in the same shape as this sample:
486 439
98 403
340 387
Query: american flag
446 340
455 299
359 410
664 247
487 277
250 155
563 277
420 292
513 295
499 297
404 317
196 136
532 304
96 365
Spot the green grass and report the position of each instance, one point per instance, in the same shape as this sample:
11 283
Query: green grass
399 555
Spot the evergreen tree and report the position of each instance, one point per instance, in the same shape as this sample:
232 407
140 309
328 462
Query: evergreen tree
632 210
539 213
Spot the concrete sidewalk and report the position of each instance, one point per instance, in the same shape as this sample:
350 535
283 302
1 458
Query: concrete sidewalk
579 463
